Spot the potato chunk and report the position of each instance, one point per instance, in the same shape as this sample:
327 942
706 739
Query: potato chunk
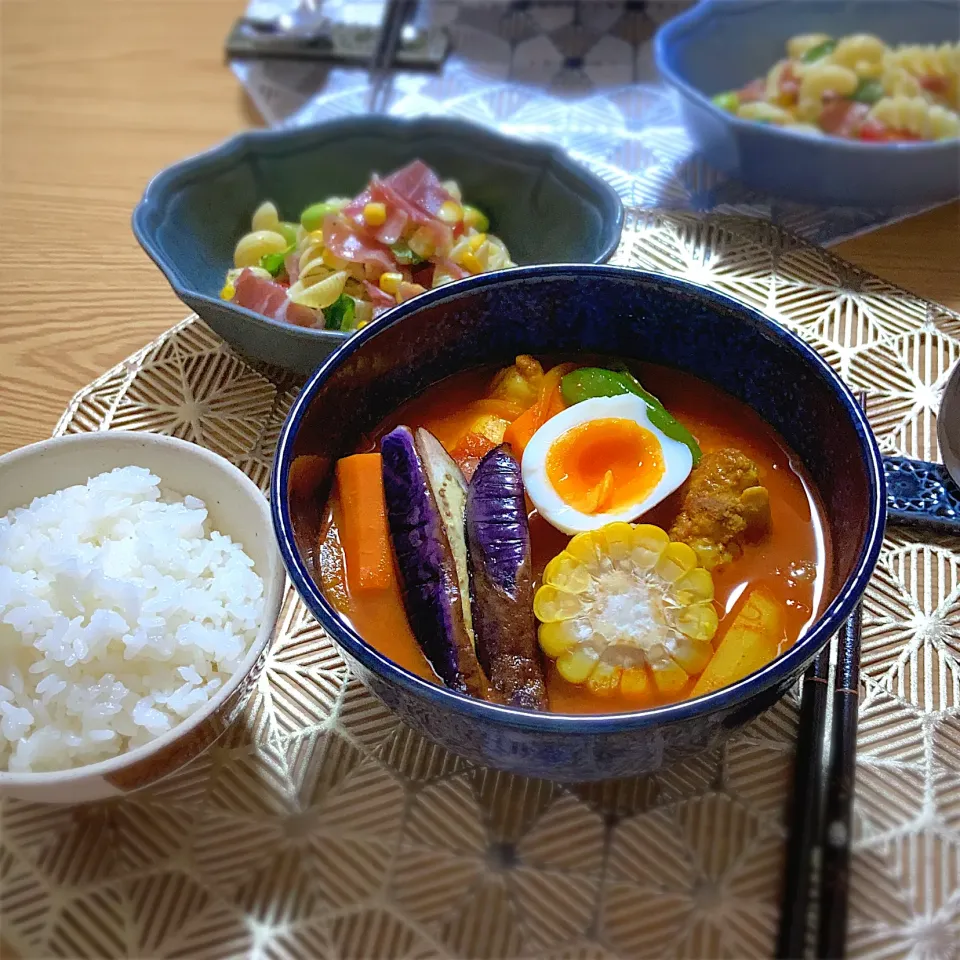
751 642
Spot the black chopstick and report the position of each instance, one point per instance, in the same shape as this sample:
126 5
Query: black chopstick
841 772
818 820
395 17
805 807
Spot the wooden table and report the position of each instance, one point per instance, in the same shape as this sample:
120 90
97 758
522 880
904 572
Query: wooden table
99 95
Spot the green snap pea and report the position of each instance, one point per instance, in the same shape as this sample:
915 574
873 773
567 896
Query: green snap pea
312 217
589 382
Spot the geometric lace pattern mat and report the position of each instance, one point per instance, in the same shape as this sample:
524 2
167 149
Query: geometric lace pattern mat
320 826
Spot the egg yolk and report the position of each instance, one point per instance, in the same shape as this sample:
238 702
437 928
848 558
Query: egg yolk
605 465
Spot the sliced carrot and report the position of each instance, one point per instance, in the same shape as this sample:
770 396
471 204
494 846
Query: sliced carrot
549 403
364 533
519 432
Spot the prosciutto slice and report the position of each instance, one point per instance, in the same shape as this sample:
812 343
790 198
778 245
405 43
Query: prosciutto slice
270 298
344 239
377 296
413 194
452 269
419 186
291 263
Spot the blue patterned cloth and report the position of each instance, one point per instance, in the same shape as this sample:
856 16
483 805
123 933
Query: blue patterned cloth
578 74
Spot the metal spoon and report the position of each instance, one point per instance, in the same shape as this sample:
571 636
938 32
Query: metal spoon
948 425
926 495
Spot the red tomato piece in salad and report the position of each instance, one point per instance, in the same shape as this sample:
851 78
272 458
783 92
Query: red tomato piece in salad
843 117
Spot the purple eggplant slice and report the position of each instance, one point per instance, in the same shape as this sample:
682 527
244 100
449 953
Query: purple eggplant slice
498 536
425 495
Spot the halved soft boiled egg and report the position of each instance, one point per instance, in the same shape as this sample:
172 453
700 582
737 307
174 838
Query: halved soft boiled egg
599 461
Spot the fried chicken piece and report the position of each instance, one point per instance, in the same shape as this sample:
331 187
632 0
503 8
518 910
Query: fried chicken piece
723 507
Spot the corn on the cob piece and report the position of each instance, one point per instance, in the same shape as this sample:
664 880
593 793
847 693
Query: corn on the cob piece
625 608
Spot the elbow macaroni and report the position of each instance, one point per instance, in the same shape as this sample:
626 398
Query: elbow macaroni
862 53
857 86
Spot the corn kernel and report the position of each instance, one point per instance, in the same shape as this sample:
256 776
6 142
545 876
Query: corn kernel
676 560
605 679
228 291
550 604
568 573
390 282
477 241
577 664
635 682
470 261
450 212
472 217
670 677
558 637
698 621
375 214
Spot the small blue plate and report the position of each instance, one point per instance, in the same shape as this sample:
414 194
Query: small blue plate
721 45
545 207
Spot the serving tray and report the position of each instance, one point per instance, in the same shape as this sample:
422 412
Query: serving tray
321 827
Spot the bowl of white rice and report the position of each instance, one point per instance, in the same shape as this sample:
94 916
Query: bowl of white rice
140 584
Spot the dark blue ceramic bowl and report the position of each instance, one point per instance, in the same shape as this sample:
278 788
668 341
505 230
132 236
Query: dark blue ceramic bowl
721 45
597 309
545 207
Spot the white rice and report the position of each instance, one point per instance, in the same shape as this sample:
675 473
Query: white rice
120 615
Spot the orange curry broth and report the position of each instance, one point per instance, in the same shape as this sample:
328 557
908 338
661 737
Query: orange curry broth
798 535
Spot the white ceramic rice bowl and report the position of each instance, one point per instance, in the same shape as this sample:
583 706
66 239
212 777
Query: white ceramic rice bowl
236 507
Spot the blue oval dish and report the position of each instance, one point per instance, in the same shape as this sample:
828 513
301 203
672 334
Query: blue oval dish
545 207
721 45
596 309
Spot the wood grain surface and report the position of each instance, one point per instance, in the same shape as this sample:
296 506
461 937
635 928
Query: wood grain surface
96 97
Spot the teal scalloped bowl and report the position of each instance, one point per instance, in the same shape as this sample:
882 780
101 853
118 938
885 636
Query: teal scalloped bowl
545 207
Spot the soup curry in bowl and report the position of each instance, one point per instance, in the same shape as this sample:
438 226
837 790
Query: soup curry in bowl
578 521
